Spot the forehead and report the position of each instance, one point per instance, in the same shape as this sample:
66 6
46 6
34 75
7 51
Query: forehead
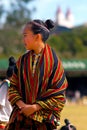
27 29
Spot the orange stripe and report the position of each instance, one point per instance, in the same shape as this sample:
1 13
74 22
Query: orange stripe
45 68
57 72
51 58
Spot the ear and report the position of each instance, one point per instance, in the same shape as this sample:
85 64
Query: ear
38 37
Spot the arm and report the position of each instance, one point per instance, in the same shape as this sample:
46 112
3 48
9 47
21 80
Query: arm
53 99
54 105
14 89
58 84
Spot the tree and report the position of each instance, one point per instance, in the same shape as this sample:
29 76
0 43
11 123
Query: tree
72 44
1 13
1 10
19 14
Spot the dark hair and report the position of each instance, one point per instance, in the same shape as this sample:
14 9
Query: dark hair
38 26
11 66
65 127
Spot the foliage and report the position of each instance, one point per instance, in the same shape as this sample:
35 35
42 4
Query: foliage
10 33
10 43
1 10
18 14
72 44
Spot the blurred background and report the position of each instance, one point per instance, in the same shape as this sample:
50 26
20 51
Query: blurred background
68 38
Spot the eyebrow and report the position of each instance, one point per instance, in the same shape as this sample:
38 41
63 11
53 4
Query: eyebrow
24 33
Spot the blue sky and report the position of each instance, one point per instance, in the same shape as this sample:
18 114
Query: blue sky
46 9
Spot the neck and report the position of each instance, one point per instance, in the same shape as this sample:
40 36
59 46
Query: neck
39 48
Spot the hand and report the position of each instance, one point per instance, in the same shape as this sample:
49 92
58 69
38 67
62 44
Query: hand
30 109
27 110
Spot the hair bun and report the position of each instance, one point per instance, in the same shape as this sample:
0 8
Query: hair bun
49 24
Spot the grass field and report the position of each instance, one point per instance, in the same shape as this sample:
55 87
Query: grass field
77 114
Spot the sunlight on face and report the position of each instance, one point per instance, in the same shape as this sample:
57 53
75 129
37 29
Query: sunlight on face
28 38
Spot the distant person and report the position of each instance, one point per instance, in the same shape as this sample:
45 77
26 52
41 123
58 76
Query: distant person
68 126
77 96
38 86
5 106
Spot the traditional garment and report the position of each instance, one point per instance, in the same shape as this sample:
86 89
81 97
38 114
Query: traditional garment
46 87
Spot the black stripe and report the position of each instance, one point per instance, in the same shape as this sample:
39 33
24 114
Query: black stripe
55 94
41 77
61 81
27 69
21 79
54 69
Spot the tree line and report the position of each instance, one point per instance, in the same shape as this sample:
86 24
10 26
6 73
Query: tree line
71 44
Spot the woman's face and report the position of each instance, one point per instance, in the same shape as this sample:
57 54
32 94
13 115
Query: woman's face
28 38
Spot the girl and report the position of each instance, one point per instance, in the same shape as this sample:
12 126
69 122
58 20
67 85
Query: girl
37 90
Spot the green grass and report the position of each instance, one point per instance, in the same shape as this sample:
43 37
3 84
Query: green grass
77 114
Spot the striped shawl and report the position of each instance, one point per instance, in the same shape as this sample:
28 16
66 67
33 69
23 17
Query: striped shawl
46 87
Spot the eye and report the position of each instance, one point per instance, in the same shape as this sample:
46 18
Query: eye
24 35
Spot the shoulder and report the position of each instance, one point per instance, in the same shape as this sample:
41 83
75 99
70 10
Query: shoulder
52 52
22 57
